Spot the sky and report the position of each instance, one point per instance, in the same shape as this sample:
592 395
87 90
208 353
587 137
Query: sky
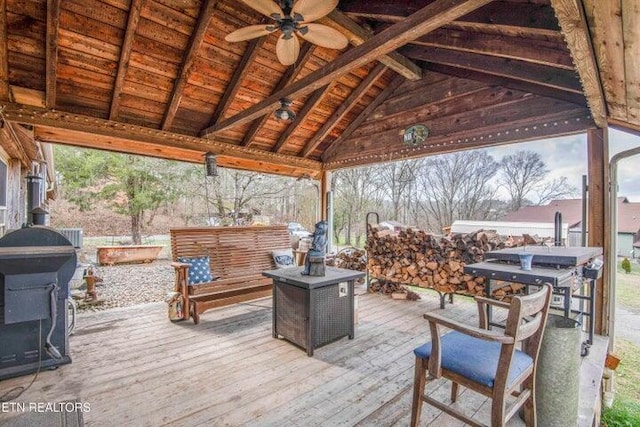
567 156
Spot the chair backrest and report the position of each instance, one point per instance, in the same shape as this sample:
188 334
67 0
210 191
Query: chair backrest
527 318
525 322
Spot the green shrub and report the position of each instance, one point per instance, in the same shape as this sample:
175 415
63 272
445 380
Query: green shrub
626 265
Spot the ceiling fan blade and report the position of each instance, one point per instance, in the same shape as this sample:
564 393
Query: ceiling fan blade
323 36
310 10
287 50
248 33
266 7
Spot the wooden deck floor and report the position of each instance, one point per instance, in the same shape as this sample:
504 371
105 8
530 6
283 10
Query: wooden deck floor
136 368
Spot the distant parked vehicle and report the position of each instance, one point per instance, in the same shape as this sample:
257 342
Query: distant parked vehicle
295 229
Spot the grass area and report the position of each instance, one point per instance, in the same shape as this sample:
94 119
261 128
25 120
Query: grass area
625 411
628 287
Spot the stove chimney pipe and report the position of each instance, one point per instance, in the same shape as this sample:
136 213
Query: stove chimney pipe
557 229
33 195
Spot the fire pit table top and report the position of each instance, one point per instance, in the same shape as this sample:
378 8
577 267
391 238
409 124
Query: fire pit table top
332 275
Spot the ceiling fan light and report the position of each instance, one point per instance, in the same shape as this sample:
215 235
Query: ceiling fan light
285 112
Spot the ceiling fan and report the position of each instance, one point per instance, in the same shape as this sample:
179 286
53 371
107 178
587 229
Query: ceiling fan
293 19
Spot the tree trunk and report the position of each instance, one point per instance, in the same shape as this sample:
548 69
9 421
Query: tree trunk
136 228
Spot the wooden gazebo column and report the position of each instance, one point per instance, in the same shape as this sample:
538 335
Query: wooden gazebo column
326 205
598 217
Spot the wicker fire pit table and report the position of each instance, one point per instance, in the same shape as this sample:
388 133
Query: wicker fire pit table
313 311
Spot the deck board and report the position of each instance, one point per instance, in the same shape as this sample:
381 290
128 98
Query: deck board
136 368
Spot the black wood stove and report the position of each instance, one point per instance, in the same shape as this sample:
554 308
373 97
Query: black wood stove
36 265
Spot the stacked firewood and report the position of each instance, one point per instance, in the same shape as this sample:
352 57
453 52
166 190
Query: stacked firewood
414 257
351 259
396 290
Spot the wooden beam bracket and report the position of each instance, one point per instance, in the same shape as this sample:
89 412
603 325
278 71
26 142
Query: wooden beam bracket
574 26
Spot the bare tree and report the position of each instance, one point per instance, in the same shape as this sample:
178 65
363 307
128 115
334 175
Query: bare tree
555 189
523 175
236 192
354 194
396 180
457 186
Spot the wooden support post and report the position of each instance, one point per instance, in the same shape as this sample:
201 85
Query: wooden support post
598 217
325 187
326 206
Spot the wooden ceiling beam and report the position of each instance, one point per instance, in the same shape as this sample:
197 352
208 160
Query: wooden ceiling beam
197 37
5 93
576 31
518 48
512 120
384 95
568 123
496 13
537 74
53 24
508 30
287 78
358 35
125 55
346 106
427 19
129 136
239 74
54 135
312 103
493 80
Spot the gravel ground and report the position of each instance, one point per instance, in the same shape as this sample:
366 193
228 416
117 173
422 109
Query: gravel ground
127 284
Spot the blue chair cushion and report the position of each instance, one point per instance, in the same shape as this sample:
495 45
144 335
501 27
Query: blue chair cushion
199 271
474 358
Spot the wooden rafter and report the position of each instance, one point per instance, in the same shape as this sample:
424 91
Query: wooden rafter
344 108
192 50
542 75
508 30
497 13
4 50
287 78
358 35
605 20
489 79
574 27
238 76
125 55
314 100
70 128
518 48
384 95
427 19
53 22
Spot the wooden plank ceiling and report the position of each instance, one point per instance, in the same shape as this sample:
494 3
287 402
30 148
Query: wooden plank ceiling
156 77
